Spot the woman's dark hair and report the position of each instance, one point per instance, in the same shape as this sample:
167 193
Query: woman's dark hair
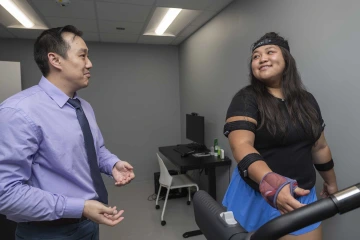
297 98
51 41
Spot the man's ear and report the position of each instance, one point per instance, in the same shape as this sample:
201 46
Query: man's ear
54 60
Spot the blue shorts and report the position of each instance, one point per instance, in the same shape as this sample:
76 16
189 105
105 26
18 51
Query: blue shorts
252 211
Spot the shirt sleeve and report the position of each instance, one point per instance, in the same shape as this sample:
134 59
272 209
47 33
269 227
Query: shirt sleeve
107 160
19 142
317 108
243 104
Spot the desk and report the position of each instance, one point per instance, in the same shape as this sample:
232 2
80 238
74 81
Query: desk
190 163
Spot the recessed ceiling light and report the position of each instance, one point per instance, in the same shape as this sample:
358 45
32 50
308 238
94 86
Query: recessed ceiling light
11 7
167 20
159 21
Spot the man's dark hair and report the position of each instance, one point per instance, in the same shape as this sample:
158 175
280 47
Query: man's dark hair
51 41
297 98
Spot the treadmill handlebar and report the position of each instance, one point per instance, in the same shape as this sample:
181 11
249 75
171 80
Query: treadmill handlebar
297 219
207 212
208 218
340 202
347 199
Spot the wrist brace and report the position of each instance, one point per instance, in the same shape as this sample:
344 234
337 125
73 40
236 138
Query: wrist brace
272 183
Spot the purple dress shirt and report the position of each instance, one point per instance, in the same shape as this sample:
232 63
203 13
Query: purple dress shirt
44 172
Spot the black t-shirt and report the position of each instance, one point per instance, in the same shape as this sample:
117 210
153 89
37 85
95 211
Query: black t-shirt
289 155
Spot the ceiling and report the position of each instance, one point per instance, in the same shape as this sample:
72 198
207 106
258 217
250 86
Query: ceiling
99 19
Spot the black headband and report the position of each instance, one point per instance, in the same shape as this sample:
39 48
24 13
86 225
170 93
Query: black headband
272 41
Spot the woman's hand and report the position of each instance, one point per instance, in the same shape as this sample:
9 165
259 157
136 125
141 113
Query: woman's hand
328 189
285 202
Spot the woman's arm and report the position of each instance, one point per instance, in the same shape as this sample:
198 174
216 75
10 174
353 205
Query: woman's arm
321 155
242 144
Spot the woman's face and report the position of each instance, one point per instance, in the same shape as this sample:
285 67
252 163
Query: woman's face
268 64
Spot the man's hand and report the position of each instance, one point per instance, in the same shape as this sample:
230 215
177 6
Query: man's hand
122 173
287 203
328 189
99 213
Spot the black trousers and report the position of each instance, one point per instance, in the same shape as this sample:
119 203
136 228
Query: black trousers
7 228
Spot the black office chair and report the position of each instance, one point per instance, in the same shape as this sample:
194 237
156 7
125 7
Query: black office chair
214 227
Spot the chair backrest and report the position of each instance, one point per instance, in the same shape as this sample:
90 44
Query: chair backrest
165 177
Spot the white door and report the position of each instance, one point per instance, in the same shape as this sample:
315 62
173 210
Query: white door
10 79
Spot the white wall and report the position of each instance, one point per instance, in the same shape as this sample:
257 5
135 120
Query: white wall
323 36
10 79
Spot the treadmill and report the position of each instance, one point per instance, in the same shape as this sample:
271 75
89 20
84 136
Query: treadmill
217 224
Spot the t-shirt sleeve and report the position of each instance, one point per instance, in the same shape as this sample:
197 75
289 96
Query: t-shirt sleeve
243 104
317 108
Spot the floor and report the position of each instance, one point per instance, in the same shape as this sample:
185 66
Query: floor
142 220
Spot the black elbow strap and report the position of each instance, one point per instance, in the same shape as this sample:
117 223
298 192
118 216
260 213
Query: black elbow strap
238 125
244 164
323 167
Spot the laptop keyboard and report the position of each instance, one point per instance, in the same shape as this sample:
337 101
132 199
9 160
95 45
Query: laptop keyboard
183 150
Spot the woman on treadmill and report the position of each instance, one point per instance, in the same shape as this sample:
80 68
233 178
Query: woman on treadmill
276 133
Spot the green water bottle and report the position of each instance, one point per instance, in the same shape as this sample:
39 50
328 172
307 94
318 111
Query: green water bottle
216 147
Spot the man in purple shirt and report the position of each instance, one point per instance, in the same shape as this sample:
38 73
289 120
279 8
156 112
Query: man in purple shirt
48 183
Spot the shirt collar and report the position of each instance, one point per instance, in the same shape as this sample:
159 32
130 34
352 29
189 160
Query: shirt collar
54 92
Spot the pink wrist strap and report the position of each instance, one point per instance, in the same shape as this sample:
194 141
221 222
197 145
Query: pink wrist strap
272 183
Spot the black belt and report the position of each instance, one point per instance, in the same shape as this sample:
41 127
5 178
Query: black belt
58 222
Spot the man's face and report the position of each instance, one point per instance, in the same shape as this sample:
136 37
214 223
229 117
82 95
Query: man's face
76 67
